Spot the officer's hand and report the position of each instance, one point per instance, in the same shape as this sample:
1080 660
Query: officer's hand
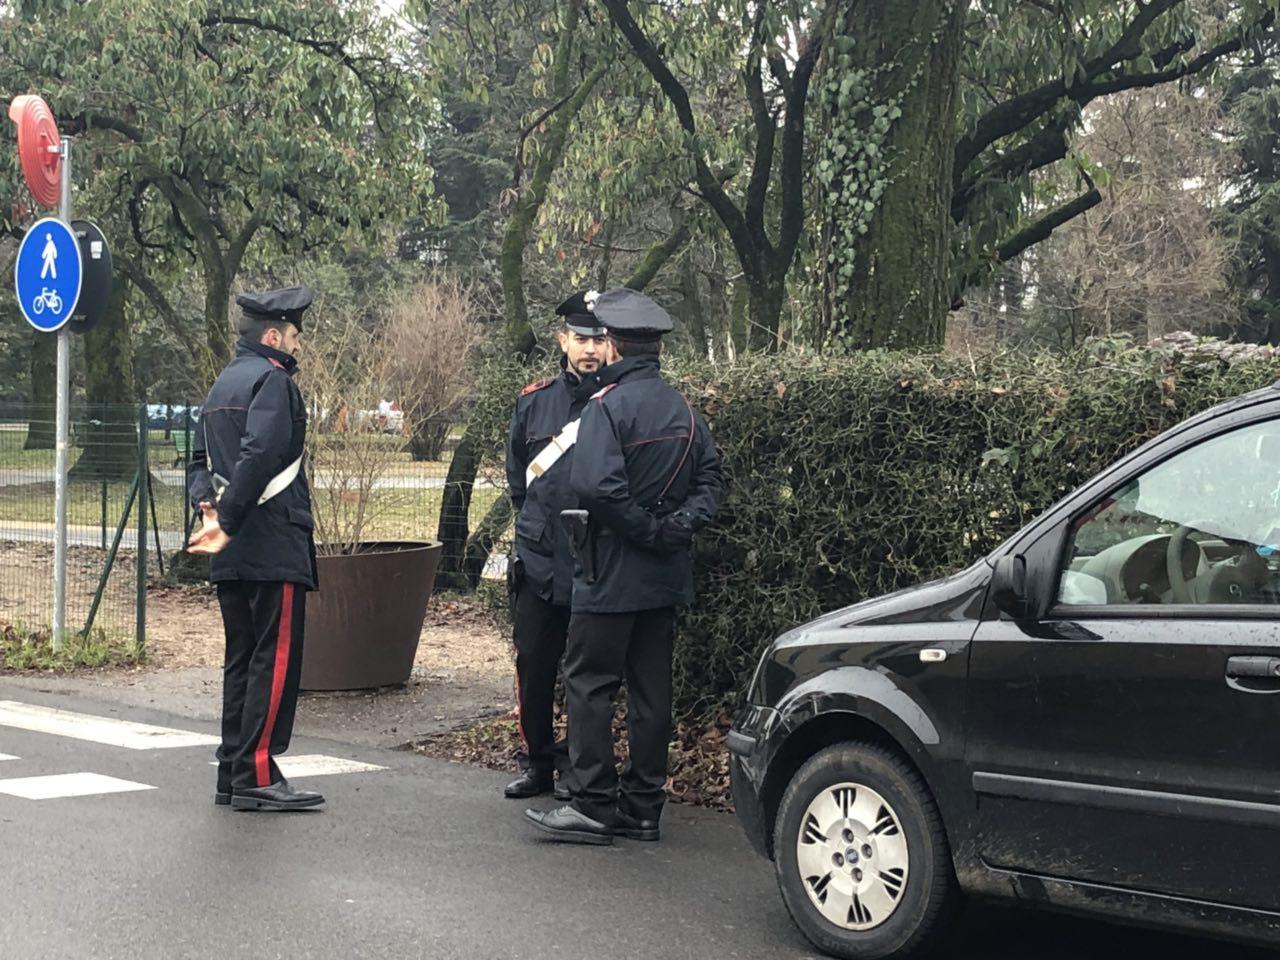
210 538
675 533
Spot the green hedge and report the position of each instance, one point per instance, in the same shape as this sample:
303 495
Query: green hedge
855 476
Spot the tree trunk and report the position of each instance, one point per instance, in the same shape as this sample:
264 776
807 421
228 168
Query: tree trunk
427 442
886 168
44 389
455 506
695 321
110 443
217 302
480 545
764 313
718 295
739 318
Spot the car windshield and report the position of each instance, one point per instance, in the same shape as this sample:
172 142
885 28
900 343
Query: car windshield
1201 527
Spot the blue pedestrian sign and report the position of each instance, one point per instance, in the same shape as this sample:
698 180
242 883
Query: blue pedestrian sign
47 274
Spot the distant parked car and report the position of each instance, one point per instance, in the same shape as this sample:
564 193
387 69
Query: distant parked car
172 416
1086 720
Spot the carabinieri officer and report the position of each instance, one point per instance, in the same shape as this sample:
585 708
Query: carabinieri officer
246 476
539 453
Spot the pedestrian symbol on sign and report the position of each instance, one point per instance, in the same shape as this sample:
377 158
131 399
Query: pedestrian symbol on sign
50 255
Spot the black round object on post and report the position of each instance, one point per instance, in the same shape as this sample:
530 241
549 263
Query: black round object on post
95 290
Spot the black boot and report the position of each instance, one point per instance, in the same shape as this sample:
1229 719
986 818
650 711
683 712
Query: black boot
633 828
571 826
530 783
279 796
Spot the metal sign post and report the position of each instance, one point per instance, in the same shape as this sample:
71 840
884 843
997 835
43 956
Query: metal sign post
62 435
49 277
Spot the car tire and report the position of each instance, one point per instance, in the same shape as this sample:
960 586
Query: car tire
907 894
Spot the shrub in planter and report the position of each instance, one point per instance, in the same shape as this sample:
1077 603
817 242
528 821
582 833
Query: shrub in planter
364 623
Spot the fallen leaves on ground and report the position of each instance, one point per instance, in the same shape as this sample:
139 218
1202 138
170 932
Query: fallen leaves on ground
698 761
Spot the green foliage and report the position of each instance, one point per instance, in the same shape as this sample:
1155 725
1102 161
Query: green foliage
852 477
23 649
207 126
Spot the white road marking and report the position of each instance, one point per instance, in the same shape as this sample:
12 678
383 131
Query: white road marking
83 726
67 785
8 756
319 765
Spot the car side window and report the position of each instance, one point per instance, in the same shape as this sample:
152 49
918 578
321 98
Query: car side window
1203 527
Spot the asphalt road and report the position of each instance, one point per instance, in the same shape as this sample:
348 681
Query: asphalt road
422 859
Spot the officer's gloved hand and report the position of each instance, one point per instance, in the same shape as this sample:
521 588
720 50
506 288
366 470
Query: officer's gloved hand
675 533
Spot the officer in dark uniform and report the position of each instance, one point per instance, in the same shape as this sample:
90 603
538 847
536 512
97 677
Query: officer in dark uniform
539 452
648 473
246 477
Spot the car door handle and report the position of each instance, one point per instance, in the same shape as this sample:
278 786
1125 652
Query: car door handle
1253 667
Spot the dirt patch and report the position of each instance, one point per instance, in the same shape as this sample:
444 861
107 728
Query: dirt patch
460 640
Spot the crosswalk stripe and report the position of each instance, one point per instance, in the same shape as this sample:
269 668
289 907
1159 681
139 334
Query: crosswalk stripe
319 765
107 730
62 785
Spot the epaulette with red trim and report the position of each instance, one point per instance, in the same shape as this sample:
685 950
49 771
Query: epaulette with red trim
602 391
537 385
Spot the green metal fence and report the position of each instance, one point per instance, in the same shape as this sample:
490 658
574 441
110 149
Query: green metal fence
105 522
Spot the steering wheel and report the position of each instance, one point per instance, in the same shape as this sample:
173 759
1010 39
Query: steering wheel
1178 584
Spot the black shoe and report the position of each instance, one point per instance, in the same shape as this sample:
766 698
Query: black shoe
530 783
222 797
571 826
278 796
562 793
633 828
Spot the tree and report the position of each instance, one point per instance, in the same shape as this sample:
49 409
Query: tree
1153 257
288 125
525 90
928 120
1029 71
775 98
1251 96
109 391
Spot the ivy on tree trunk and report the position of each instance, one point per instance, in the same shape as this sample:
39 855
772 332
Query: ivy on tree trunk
886 172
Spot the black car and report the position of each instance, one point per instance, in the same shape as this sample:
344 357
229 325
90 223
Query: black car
1086 720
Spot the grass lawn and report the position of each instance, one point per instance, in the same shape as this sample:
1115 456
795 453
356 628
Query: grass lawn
396 513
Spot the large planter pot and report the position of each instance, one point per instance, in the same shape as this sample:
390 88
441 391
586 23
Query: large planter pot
364 622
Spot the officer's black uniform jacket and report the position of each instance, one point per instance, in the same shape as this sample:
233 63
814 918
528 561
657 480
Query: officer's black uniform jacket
634 438
254 424
542 411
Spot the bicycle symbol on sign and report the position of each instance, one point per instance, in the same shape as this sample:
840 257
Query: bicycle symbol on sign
48 298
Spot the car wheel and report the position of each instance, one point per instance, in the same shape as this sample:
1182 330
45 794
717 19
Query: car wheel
861 855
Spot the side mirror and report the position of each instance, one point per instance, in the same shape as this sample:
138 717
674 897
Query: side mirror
1009 586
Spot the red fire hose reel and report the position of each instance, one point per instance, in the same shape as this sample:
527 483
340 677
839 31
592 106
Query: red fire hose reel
37 133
